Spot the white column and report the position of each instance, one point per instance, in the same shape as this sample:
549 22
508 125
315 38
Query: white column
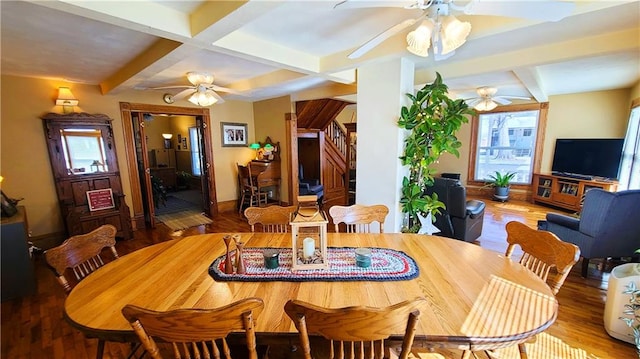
381 95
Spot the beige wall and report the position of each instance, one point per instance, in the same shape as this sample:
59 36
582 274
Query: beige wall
269 117
24 161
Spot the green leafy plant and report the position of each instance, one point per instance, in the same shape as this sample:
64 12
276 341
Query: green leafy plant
500 180
183 179
432 120
158 191
632 310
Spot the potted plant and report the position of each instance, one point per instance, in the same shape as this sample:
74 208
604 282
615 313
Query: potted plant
432 120
158 191
500 182
183 179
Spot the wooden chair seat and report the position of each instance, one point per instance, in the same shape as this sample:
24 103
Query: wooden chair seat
355 332
358 218
197 333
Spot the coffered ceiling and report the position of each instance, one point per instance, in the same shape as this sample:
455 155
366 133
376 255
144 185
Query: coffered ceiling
266 49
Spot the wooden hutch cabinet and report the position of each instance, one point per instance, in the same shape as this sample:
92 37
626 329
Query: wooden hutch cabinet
566 192
85 169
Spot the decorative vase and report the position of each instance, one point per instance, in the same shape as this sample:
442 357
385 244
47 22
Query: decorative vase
228 264
619 279
240 267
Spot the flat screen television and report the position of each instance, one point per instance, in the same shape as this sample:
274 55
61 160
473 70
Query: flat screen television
588 157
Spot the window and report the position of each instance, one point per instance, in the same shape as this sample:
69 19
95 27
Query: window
507 141
194 138
83 150
630 167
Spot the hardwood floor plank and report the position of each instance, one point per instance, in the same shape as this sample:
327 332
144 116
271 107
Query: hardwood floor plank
32 327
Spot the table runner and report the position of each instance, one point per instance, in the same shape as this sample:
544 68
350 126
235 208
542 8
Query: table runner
386 265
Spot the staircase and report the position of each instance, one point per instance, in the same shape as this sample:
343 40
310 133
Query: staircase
319 116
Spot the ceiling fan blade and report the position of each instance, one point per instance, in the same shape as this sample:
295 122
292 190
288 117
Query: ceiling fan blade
356 4
471 102
171 87
184 93
382 36
543 10
223 89
500 100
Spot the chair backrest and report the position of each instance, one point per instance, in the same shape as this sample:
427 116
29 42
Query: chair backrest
359 218
244 178
355 330
81 254
542 251
273 219
194 332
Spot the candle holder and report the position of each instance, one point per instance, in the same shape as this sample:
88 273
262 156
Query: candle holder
309 239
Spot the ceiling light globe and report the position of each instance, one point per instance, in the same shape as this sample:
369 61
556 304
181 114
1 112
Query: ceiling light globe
486 105
419 40
453 33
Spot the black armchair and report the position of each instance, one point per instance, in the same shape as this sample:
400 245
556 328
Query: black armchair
609 225
309 186
462 218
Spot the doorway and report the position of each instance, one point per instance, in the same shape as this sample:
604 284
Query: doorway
170 160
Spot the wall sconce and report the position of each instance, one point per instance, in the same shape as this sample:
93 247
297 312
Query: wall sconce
256 147
167 139
66 99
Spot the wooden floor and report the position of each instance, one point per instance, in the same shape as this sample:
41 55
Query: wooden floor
32 327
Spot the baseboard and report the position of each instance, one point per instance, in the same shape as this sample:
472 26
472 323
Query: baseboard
516 194
228 206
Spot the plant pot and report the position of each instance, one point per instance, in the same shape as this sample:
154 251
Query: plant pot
502 192
619 279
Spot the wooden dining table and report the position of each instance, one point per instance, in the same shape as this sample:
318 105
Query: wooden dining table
475 298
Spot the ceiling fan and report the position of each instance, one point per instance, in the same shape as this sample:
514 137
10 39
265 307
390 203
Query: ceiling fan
201 92
446 32
487 101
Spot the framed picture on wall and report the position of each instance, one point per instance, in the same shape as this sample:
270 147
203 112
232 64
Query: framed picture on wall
234 134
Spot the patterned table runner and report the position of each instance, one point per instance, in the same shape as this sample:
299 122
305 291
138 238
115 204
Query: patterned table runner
386 265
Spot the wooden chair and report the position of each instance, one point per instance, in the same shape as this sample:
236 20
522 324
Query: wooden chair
354 331
81 255
248 190
358 218
274 219
194 332
543 251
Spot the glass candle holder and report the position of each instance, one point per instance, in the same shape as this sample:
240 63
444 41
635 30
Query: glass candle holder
363 257
271 258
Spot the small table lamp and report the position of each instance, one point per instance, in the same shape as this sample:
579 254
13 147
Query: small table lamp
256 147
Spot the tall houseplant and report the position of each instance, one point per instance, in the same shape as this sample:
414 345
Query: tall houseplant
432 120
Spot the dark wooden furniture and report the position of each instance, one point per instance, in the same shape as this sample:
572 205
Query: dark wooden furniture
266 174
167 175
78 171
566 192
18 278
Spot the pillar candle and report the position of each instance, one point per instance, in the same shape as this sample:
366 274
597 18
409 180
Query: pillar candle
308 247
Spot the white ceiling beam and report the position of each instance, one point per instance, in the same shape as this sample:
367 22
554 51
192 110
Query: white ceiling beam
530 78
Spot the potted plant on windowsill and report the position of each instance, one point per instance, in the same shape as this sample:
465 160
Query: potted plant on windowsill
432 120
501 182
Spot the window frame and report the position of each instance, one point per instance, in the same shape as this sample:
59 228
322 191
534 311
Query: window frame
537 155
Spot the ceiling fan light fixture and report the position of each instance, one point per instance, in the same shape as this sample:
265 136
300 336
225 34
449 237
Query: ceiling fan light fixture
485 105
203 98
419 40
453 33
197 78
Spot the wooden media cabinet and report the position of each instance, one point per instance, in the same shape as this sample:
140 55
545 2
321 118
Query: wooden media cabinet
566 192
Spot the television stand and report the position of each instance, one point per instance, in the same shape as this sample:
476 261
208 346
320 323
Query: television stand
572 175
566 191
